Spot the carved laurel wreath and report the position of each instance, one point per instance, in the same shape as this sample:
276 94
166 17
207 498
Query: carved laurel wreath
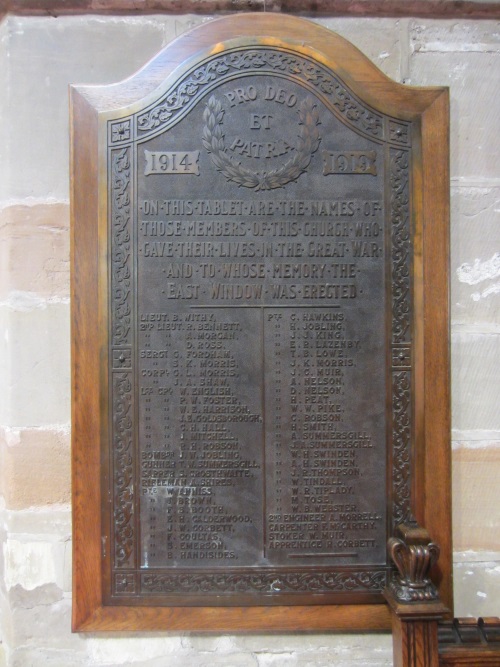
307 145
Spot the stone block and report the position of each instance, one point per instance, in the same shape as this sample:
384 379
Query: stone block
4 83
47 524
35 657
35 467
36 368
5 617
242 650
457 35
34 250
477 587
45 55
46 626
475 257
47 594
51 527
474 370
29 564
384 41
356 646
67 572
326 650
214 643
368 658
35 549
476 510
132 650
473 79
196 660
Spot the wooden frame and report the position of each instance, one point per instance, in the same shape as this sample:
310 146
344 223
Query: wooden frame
90 109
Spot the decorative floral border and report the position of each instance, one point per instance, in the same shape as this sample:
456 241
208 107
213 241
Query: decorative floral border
121 247
121 366
401 260
273 61
326 581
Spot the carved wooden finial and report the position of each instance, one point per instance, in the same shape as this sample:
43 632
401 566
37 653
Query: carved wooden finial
414 555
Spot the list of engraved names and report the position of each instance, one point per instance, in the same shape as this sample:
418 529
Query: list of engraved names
262 389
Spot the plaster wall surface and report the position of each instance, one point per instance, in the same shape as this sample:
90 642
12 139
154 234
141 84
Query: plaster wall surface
39 57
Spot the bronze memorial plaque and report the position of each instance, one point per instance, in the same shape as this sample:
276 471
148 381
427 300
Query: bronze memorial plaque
258 285
255 346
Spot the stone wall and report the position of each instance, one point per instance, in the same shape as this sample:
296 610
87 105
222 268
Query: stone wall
39 57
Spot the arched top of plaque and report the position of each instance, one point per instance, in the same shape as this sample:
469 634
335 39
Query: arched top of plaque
260 333
219 41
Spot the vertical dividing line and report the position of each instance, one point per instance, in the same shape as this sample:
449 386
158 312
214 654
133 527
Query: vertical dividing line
263 394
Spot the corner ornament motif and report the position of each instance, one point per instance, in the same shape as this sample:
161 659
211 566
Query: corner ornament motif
414 555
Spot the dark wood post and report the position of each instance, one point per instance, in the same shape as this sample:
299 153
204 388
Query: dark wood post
413 598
